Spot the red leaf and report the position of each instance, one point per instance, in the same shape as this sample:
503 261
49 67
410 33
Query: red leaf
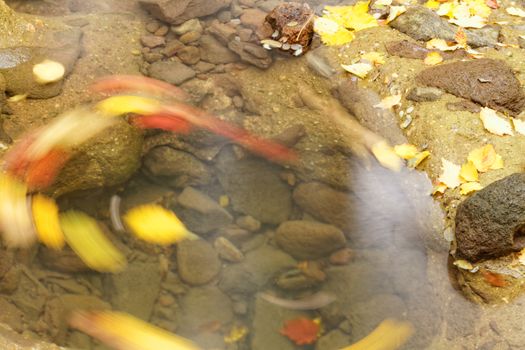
301 330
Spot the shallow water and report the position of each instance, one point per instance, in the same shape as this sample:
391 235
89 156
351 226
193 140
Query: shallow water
397 236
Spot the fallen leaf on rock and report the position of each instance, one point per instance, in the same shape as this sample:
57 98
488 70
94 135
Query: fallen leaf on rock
461 37
494 279
432 58
389 335
417 159
450 175
494 123
301 330
469 172
438 187
521 256
515 11
389 102
474 54
469 187
440 44
354 17
386 156
485 158
358 69
493 4
463 264
395 11
331 32
376 58
519 125
406 151
469 22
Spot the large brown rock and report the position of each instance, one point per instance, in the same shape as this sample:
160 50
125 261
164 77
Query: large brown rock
178 11
486 81
491 223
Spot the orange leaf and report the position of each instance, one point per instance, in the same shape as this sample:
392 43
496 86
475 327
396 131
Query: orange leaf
301 330
494 279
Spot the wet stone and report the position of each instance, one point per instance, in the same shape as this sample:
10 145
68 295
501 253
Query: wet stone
189 55
214 52
409 49
294 279
171 72
335 339
222 32
152 26
152 41
11 315
162 31
248 223
253 18
193 25
309 239
64 260
424 94
201 213
190 37
251 53
197 262
490 222
486 81
341 257
172 47
177 12
463 105
227 250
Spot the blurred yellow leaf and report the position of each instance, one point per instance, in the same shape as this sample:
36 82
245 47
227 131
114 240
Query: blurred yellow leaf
432 58
389 335
331 32
469 172
485 158
386 156
122 331
47 224
494 123
156 224
450 175
406 151
469 187
236 333
123 104
417 159
86 238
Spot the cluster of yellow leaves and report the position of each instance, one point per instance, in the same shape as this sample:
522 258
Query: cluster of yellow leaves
464 13
496 124
466 176
411 154
338 23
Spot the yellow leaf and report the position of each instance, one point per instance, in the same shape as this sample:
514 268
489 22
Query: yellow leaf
331 32
521 256
433 58
156 224
469 187
439 188
469 22
406 151
123 104
358 69
485 158
514 11
84 236
519 125
353 17
395 11
450 175
494 123
447 9
386 156
389 102
440 44
375 58
463 264
469 172
417 159
389 335
432 4
461 37
236 333
47 224
119 330
479 8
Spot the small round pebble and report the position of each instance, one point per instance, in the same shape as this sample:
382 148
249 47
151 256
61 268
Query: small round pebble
341 257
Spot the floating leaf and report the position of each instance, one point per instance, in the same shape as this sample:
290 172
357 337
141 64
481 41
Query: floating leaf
123 104
389 102
406 151
485 158
494 123
156 224
86 238
514 11
389 335
469 187
358 69
463 264
125 332
386 156
47 224
469 172
432 58
48 71
450 175
301 330
519 125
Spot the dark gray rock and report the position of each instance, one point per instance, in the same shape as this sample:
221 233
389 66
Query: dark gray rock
256 189
309 240
201 213
491 222
424 24
136 289
171 72
177 168
197 262
255 271
324 203
179 11
422 94
485 81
